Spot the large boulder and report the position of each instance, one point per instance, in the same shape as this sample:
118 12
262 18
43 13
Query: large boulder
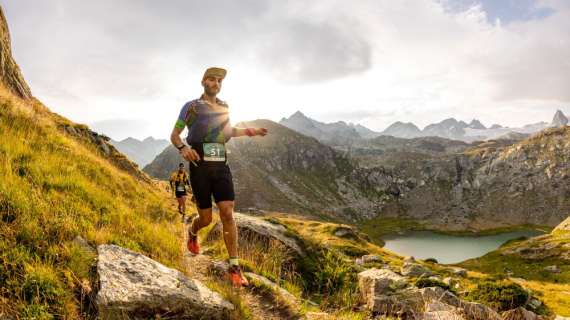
133 286
375 282
256 229
520 313
415 270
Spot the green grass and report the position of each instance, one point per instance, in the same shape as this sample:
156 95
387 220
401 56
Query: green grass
378 227
552 288
53 188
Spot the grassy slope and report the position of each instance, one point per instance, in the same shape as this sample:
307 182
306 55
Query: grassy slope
54 187
553 289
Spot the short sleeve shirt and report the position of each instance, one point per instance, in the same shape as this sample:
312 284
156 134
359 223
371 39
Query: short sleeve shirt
205 125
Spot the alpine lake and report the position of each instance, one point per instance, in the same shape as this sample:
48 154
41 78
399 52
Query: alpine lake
449 249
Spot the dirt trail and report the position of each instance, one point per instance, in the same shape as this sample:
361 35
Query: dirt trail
262 306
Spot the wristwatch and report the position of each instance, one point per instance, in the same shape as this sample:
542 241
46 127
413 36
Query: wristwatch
180 147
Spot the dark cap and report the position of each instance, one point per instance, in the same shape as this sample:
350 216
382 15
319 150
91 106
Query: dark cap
215 72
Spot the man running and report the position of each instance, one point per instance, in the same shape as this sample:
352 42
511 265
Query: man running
209 128
178 182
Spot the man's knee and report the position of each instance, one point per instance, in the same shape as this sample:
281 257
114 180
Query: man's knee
226 211
205 216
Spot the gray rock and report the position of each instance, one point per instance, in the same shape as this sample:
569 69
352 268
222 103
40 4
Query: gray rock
460 272
345 232
440 295
284 293
414 270
553 269
135 286
374 282
534 303
317 316
452 283
477 311
219 268
520 313
371 258
83 244
260 230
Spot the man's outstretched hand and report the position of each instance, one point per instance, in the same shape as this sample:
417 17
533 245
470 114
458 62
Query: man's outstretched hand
261 131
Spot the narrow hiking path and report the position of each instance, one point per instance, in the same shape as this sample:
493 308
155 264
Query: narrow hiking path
260 305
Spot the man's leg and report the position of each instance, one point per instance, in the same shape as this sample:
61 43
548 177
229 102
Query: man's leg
229 226
204 219
183 205
179 204
230 238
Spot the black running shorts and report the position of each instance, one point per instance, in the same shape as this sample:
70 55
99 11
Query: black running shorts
180 194
211 179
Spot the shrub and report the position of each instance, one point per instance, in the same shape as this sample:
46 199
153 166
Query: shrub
431 260
427 282
500 295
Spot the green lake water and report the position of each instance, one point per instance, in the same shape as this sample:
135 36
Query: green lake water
449 248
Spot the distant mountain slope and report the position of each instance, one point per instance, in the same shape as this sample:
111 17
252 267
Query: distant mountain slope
141 152
287 171
402 130
330 133
445 184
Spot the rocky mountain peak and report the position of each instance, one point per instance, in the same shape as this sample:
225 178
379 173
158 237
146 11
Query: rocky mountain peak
402 130
298 115
476 124
10 74
559 119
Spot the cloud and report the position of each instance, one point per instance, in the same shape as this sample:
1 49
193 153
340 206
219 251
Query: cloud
119 129
367 60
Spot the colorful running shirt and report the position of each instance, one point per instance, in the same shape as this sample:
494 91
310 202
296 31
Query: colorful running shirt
203 124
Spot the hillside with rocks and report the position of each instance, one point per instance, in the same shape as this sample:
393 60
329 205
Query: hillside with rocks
490 184
60 180
443 184
289 172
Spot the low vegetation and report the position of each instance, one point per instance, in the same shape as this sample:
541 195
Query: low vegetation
53 188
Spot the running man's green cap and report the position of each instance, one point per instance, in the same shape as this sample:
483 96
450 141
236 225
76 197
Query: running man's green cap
215 72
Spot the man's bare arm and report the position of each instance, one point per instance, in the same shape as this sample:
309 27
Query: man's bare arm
186 152
240 132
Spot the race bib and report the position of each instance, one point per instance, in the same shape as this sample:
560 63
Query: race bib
180 188
214 152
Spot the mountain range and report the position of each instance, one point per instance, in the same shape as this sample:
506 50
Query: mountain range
141 152
339 133
446 184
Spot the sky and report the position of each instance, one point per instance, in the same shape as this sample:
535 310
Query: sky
126 67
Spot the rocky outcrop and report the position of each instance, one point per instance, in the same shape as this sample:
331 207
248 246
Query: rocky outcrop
415 270
521 313
136 287
253 229
385 292
374 282
291 299
101 143
10 74
559 119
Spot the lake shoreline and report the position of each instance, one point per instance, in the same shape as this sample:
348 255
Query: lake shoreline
452 249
